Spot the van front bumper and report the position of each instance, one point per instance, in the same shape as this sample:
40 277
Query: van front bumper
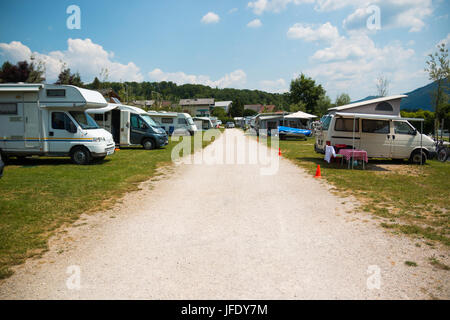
101 151
162 141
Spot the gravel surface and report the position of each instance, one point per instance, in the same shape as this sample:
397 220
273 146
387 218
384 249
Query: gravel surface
227 232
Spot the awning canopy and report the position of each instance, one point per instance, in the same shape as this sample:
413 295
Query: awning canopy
20 87
374 116
300 115
102 110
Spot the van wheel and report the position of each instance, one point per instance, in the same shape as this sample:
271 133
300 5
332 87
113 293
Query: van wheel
416 155
81 156
148 144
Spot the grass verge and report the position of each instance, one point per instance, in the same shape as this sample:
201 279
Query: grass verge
39 195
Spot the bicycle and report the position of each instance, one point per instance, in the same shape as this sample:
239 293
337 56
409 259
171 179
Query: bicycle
442 151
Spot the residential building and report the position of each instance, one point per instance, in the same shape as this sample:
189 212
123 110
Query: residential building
201 107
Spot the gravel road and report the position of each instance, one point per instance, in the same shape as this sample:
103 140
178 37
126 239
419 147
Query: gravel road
227 232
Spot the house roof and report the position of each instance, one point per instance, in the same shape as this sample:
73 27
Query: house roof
366 102
195 102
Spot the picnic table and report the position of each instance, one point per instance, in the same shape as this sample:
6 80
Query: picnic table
354 154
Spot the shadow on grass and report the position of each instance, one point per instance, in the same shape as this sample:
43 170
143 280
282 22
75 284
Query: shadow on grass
36 162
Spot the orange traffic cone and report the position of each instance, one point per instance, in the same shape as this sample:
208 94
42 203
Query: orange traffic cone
257 139
318 175
279 152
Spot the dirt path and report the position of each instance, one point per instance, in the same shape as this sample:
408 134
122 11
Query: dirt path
226 231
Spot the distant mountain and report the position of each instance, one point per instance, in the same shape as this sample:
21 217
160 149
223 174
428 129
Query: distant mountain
417 99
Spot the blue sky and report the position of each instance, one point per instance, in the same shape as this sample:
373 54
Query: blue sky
259 44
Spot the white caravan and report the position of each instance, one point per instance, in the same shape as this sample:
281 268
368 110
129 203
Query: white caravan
376 127
204 123
173 122
50 120
130 126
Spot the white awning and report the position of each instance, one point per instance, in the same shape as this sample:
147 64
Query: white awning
102 110
20 87
300 115
270 117
374 116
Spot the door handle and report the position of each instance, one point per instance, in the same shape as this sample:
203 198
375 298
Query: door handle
51 133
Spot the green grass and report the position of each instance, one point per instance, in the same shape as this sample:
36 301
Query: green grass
39 195
409 199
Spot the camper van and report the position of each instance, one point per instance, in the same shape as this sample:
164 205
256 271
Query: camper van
173 122
376 127
130 126
51 120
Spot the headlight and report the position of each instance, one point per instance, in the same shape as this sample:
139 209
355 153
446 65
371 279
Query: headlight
98 139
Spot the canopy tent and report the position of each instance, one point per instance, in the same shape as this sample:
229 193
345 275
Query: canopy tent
300 115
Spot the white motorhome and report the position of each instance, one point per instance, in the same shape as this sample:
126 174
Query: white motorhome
175 122
50 120
204 123
130 126
376 127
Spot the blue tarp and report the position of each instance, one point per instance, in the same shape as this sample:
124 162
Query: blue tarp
289 130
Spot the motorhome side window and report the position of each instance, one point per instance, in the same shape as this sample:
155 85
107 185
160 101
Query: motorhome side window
99 117
344 124
166 120
8 108
181 121
56 92
402 127
375 126
60 120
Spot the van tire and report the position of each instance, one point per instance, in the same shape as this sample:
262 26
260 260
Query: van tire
415 157
80 156
148 144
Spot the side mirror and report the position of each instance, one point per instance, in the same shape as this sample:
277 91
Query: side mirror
415 132
71 127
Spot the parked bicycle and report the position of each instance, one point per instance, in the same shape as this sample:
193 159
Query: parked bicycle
442 151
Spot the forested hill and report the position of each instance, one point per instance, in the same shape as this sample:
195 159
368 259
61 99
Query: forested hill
173 92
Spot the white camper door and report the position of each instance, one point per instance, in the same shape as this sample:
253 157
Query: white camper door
124 127
31 120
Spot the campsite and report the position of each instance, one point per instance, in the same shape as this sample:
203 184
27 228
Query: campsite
257 151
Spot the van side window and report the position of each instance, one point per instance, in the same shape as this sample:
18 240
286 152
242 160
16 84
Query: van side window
8 108
137 122
402 127
343 124
181 121
99 117
384 106
166 120
56 92
60 120
375 126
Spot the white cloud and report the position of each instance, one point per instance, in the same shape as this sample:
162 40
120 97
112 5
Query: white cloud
83 56
259 6
409 14
210 17
324 32
353 63
275 86
233 10
254 23
236 78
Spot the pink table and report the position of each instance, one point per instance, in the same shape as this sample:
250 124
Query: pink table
348 154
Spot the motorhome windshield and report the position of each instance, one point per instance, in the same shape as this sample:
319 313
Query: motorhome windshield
190 121
149 120
326 121
84 120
